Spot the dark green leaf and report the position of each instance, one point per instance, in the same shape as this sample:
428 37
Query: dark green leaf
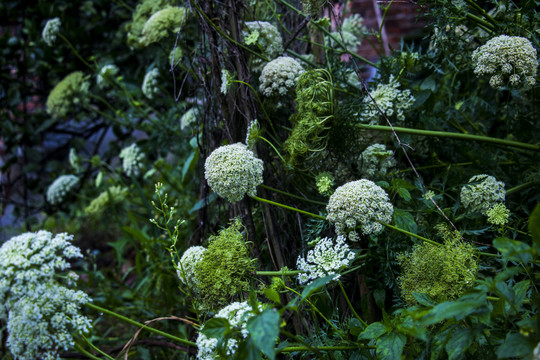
513 249
405 194
216 327
424 299
379 295
355 327
272 295
390 346
459 342
449 310
428 84
247 350
373 331
203 202
314 286
190 162
264 330
534 226
404 220
515 345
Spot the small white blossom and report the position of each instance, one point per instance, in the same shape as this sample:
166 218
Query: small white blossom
353 32
226 81
279 76
376 160
150 83
252 134
51 30
132 158
506 59
60 187
41 313
190 117
265 37
390 101
325 259
187 265
106 72
233 171
361 204
482 193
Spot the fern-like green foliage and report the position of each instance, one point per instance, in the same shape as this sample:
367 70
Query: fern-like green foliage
315 107
225 268
441 272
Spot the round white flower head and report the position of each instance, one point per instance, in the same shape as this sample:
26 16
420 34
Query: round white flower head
390 100
70 91
233 171
238 313
132 158
106 72
187 264
376 160
482 193
190 117
60 187
279 76
51 29
361 204
353 32
226 81
150 83
266 38
325 259
506 60
42 314
162 23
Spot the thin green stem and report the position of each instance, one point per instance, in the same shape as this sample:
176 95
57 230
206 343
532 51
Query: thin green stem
350 305
306 345
292 195
473 4
273 147
80 349
325 348
459 136
75 51
96 348
485 24
279 273
521 187
260 102
288 207
138 324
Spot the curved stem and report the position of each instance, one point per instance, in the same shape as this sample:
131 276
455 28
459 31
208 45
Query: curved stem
80 349
459 136
288 207
473 4
273 147
75 51
260 103
325 348
279 273
521 187
96 348
350 305
138 324
292 195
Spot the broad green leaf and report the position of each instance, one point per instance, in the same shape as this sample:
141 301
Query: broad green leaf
428 84
190 163
247 350
534 226
264 330
203 202
459 342
449 310
423 299
513 249
373 331
379 295
315 285
390 346
520 292
272 295
515 345
405 194
216 327
404 220
355 327
420 98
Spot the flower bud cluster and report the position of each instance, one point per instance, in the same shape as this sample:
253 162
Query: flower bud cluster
187 264
163 23
60 187
132 158
325 259
482 192
108 71
279 76
266 38
376 160
150 83
390 101
50 31
72 90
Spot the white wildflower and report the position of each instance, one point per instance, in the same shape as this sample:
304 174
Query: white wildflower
359 204
506 60
51 30
106 73
186 266
132 158
190 117
266 38
252 134
376 160
60 187
325 259
279 76
482 192
150 83
390 101
226 81
233 171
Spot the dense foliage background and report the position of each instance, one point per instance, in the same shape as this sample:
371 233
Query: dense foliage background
129 99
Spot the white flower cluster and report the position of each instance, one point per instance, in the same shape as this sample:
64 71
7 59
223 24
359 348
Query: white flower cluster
51 29
187 264
362 204
352 31
41 313
226 81
252 134
264 36
162 23
376 160
233 171
279 76
325 259
482 193
150 83
389 99
190 117
238 313
60 187
507 60
106 72
132 158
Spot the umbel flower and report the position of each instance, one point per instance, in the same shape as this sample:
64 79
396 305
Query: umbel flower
60 187
233 171
325 259
359 204
376 160
51 30
186 266
252 134
325 183
266 38
72 90
390 101
507 60
111 196
41 312
163 23
279 76
108 71
150 83
498 214
190 117
144 10
238 314
482 193
132 158
353 32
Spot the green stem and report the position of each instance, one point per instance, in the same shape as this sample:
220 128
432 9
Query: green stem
273 147
350 305
288 207
138 324
260 102
292 195
521 187
279 273
486 25
473 4
306 345
459 136
80 349
325 348
75 51
96 348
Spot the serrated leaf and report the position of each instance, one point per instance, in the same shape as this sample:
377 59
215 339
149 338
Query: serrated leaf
315 285
513 249
390 346
450 310
373 331
423 299
272 295
216 327
405 194
404 220
459 342
264 330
